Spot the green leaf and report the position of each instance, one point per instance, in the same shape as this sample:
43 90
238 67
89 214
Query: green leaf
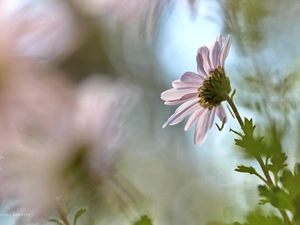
216 223
248 127
252 146
291 182
254 219
264 192
276 196
78 214
278 163
245 169
56 220
296 204
144 220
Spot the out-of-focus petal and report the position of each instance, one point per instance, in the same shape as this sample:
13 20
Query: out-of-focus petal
44 30
185 109
193 118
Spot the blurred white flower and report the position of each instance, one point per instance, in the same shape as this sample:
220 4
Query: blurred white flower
98 116
139 19
202 93
44 123
40 29
33 130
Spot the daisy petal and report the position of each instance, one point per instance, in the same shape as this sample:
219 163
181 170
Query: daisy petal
213 55
200 67
211 119
224 51
181 112
178 117
178 84
204 123
184 98
221 113
191 78
204 52
201 130
174 94
220 39
193 118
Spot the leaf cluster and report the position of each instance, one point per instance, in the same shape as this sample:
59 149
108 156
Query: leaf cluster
144 220
286 196
251 145
256 219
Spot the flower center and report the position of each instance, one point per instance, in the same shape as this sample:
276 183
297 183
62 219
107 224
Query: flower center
213 89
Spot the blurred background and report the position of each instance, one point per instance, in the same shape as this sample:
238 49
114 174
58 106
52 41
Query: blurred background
81 115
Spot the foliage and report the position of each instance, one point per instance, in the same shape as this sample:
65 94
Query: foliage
144 220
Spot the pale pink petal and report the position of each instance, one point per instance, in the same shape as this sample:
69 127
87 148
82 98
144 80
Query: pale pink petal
221 113
200 68
204 123
224 51
201 129
174 94
211 118
185 109
193 118
191 78
213 55
220 39
178 84
178 117
204 52
183 99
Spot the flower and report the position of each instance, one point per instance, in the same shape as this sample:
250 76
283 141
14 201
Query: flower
43 30
58 138
202 93
97 121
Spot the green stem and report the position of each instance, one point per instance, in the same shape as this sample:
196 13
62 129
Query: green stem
263 179
62 214
264 168
257 157
234 109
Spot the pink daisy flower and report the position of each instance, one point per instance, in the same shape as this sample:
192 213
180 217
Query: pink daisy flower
201 93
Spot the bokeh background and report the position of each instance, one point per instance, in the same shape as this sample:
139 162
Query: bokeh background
81 115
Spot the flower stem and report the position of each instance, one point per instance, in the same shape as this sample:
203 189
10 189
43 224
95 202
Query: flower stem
257 157
62 213
234 109
264 168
